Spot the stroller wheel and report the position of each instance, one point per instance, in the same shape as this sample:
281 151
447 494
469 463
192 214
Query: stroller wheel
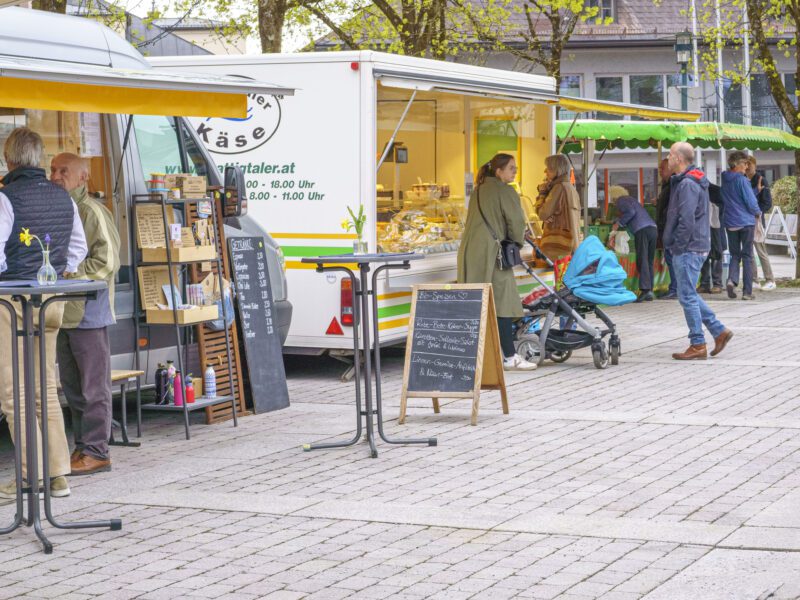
600 356
614 351
560 357
529 348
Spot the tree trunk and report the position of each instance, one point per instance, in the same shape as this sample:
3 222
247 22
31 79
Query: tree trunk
271 18
56 6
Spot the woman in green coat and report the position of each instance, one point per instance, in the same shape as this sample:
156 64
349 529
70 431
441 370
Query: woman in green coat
477 256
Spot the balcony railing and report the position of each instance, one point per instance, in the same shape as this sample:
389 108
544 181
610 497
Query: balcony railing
760 116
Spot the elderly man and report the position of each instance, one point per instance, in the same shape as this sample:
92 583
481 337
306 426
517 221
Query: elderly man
739 218
632 215
687 236
84 354
28 200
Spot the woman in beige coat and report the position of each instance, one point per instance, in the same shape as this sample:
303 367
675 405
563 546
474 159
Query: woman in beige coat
559 208
477 256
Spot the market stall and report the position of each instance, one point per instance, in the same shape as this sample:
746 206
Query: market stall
588 136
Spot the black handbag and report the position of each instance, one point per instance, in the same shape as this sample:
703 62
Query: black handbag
508 255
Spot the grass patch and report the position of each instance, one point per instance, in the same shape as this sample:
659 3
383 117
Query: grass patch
788 283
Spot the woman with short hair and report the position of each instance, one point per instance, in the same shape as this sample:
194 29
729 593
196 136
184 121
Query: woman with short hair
559 208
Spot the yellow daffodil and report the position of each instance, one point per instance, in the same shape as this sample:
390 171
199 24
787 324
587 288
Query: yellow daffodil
25 237
345 225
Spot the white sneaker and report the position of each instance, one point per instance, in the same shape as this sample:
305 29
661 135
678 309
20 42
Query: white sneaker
517 363
769 285
756 285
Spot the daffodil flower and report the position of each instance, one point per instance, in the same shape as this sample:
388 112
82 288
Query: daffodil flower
345 225
25 236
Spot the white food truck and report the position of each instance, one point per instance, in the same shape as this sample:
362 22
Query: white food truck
402 136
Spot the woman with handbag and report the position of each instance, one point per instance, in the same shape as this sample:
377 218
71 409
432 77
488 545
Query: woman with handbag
493 234
559 208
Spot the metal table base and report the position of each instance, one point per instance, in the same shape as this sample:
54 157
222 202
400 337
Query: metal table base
367 321
30 296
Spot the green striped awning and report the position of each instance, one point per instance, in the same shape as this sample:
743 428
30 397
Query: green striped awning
610 135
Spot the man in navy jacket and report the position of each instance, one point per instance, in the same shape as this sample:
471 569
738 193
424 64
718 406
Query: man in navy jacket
687 237
739 219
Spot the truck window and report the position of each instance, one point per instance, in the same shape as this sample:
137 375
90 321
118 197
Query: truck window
159 150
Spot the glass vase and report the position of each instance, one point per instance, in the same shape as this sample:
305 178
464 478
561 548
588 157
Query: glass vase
359 247
47 274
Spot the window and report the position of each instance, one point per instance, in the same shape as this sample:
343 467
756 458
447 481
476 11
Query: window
765 112
159 150
609 88
605 10
570 87
732 96
791 87
647 90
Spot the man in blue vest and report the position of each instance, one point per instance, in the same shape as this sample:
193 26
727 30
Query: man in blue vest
28 200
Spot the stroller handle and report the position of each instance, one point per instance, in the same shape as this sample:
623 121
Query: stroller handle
538 252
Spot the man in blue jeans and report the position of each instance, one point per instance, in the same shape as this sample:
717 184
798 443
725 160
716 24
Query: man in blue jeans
662 206
687 235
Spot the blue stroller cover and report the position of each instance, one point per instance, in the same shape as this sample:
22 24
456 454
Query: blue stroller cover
603 285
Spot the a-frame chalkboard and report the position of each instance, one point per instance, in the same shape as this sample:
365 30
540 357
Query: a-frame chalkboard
262 346
453 347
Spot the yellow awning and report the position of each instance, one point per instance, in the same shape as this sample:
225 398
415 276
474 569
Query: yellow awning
581 105
50 85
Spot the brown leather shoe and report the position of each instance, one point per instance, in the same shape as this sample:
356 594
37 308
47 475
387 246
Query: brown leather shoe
693 352
86 465
75 454
721 341
716 290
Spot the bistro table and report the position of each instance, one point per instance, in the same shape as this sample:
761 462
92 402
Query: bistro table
29 295
368 320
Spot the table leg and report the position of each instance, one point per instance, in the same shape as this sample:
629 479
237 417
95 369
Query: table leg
377 354
29 378
19 516
365 327
112 524
357 369
123 424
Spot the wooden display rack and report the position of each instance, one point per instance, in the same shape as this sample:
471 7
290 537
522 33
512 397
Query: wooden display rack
152 231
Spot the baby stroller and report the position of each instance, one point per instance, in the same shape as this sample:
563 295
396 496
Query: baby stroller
594 276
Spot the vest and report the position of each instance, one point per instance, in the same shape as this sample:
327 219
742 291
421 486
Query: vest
43 208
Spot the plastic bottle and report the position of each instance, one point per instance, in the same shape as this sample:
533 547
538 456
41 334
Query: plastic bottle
189 389
161 382
178 389
210 382
170 395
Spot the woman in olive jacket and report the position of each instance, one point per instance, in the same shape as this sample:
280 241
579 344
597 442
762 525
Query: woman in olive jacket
477 256
559 208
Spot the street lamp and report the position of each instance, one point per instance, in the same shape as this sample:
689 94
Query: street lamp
683 56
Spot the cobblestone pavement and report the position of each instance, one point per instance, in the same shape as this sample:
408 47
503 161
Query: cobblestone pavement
653 479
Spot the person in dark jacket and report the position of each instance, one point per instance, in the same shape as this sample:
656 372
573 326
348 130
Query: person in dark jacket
764 198
632 215
739 218
30 203
662 205
711 273
687 237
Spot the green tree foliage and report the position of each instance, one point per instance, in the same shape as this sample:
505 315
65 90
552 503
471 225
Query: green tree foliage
534 31
774 31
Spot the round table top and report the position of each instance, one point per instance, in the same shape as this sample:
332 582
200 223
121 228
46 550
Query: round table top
31 287
386 257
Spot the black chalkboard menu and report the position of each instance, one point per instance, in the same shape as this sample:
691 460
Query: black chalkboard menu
262 346
453 347
446 336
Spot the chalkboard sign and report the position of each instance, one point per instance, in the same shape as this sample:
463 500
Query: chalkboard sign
262 345
444 346
453 348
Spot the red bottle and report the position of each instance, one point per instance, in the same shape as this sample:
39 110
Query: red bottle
189 390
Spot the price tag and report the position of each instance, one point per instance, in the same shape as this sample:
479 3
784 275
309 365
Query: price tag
175 232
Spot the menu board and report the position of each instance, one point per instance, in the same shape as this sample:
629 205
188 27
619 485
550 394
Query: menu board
262 346
444 348
453 348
